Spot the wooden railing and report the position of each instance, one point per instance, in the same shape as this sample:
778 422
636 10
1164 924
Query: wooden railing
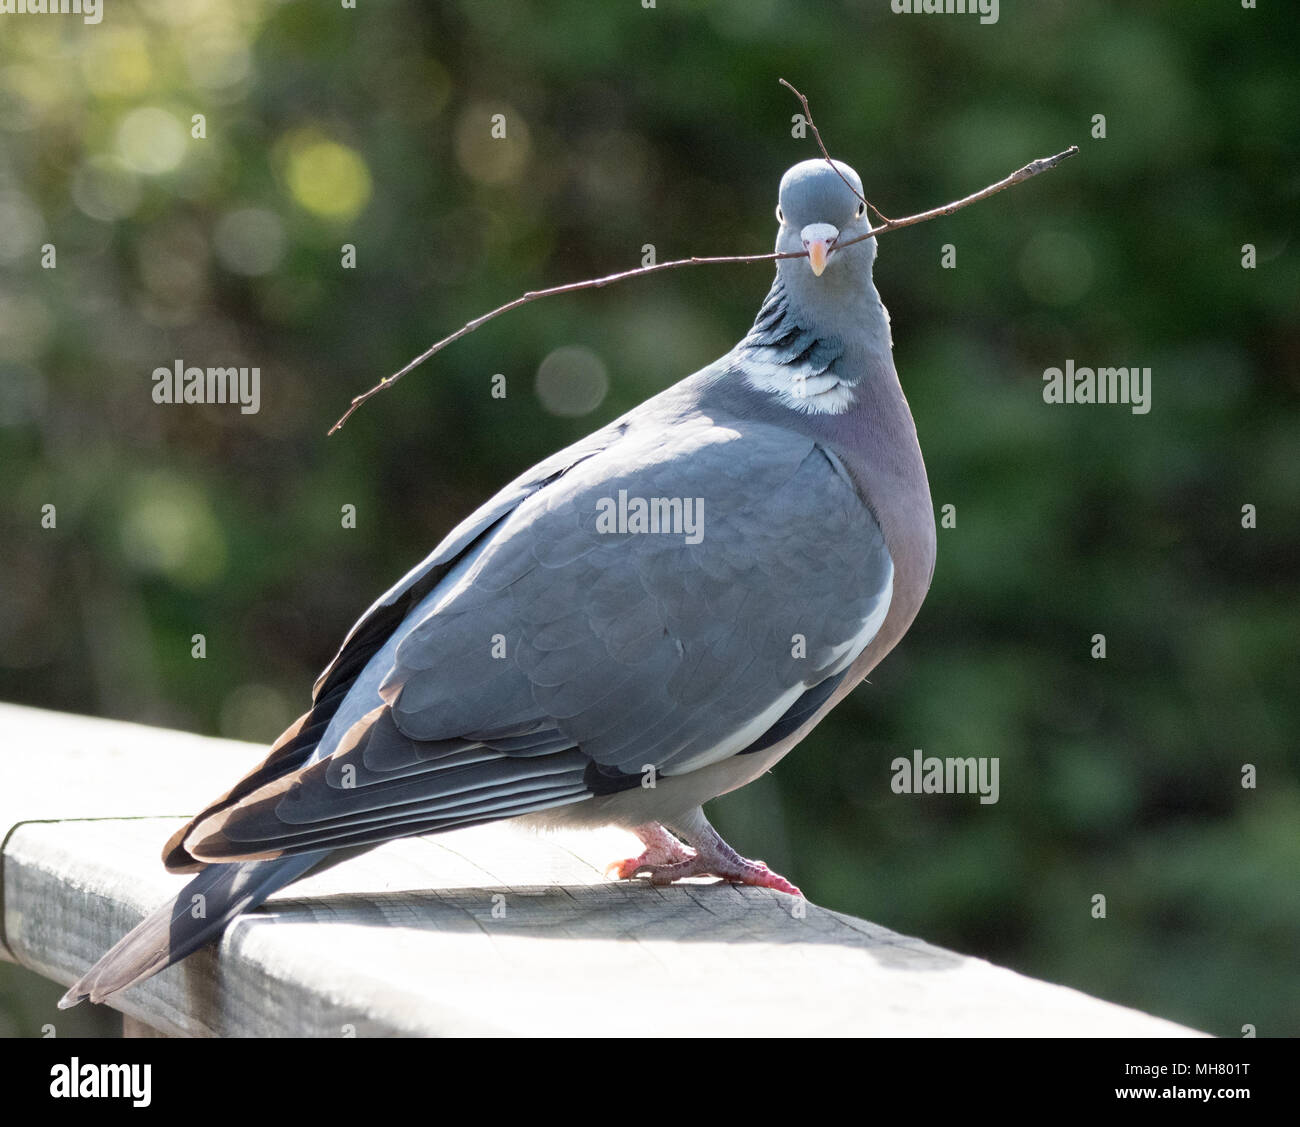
491 930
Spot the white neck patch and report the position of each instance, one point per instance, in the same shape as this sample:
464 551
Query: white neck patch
811 393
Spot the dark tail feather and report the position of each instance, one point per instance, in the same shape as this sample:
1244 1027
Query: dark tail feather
172 932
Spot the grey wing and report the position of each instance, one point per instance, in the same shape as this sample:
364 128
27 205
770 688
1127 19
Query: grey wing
311 737
575 650
394 604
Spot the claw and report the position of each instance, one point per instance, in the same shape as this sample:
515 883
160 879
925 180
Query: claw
625 869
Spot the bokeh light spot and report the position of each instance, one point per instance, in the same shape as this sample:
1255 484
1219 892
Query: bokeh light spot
218 60
168 528
150 140
572 381
489 159
104 188
116 63
326 178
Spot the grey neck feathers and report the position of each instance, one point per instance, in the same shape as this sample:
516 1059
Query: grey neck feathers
808 364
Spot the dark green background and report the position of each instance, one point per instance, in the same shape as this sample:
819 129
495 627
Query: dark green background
629 126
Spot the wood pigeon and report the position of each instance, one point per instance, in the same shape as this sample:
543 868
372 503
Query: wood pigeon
646 620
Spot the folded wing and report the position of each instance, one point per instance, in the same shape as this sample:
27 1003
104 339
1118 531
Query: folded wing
556 649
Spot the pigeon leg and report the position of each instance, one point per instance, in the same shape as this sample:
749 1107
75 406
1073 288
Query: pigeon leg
661 848
713 857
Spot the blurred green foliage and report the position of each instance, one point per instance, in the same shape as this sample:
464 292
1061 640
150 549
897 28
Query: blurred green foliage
626 126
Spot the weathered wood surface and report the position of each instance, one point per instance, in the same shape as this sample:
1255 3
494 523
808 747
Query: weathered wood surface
491 930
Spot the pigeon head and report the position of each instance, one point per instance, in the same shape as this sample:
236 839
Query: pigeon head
817 209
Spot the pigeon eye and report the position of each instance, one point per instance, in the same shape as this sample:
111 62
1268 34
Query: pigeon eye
862 210
780 215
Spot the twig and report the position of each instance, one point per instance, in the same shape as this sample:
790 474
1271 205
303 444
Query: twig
1043 164
835 168
533 295
1033 168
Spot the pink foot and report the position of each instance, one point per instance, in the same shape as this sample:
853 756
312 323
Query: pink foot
737 870
661 849
666 860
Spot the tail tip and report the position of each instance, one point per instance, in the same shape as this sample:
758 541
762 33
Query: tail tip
72 997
